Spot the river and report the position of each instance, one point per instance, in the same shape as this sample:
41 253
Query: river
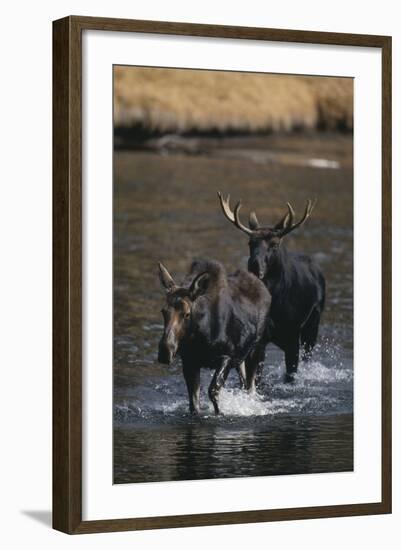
166 209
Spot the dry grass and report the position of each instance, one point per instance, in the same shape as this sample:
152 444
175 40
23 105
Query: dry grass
174 100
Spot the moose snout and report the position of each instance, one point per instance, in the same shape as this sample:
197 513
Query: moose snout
167 351
256 266
164 356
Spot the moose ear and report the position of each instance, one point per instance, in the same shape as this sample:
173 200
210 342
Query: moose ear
282 224
166 279
253 221
199 285
286 220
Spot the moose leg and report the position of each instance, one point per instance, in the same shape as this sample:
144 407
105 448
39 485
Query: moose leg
291 359
242 375
254 367
218 380
192 379
309 334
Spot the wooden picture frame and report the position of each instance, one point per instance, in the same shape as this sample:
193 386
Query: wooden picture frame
67 274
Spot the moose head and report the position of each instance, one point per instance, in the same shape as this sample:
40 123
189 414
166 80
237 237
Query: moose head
177 311
264 242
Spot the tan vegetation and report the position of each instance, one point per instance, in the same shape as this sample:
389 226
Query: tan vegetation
183 100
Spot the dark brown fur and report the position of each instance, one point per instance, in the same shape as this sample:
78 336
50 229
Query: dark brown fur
228 319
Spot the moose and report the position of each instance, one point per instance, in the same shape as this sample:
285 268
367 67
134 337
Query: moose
214 320
295 282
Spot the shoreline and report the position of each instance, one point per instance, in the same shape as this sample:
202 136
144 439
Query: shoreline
203 142
319 150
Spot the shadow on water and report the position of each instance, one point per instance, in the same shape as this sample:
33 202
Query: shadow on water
165 208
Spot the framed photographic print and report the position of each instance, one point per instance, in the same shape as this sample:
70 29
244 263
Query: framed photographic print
222 272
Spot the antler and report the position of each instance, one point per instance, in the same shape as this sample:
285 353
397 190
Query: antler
233 217
288 220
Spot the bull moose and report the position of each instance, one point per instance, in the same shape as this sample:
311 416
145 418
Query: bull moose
295 282
215 321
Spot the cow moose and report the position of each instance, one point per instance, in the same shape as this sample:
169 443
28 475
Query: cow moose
296 284
215 321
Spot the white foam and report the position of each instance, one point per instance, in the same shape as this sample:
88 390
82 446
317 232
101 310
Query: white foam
316 371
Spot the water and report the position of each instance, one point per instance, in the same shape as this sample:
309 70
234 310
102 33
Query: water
165 208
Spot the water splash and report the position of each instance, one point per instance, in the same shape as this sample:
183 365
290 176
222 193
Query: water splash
318 389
